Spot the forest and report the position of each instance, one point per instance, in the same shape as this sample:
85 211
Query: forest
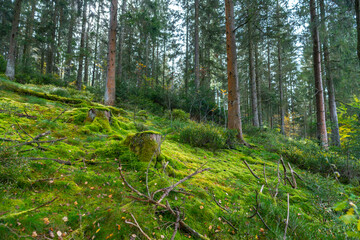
155 119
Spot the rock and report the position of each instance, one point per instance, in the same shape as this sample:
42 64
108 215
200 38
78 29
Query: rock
144 144
93 113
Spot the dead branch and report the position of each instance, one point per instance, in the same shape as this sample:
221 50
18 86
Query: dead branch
14 232
177 225
284 167
41 135
230 224
218 203
250 169
136 224
256 208
19 114
292 176
58 116
288 215
52 159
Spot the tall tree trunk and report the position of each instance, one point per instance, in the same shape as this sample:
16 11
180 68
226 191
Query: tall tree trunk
51 45
335 135
69 50
121 41
269 84
86 64
258 83
234 114
96 44
187 50
281 87
357 11
82 50
196 39
110 79
29 33
320 109
10 67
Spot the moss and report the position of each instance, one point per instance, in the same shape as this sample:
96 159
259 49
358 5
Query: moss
143 145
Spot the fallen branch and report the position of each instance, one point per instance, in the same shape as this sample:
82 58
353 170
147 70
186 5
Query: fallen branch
19 114
136 224
230 224
52 159
26 211
14 232
58 116
284 167
288 215
217 203
250 169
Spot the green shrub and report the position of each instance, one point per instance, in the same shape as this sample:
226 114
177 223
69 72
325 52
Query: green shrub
141 127
11 165
178 114
2 64
203 135
60 92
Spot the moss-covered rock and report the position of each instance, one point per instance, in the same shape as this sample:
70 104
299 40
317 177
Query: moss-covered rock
144 144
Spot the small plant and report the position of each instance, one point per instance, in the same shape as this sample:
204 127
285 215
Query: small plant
178 114
2 64
203 135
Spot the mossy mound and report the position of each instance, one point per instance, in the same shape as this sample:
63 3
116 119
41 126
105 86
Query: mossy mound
144 144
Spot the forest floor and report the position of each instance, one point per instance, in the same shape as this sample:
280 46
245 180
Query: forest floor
65 184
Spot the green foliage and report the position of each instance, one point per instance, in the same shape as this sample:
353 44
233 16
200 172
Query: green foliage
2 64
11 164
203 135
178 114
350 215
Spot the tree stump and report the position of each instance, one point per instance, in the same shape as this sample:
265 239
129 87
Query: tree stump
145 145
93 113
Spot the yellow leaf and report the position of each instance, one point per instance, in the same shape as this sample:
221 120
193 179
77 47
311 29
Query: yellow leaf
358 225
97 230
350 211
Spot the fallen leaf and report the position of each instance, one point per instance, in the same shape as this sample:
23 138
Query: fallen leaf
201 207
76 203
46 221
97 230
34 234
59 233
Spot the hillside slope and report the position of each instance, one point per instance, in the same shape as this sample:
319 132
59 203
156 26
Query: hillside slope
65 184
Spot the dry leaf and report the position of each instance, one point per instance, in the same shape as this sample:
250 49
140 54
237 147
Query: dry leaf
65 219
34 234
46 221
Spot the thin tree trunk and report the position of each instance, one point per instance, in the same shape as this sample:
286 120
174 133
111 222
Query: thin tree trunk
29 33
96 43
121 41
258 83
110 79
254 102
281 89
187 50
51 45
10 67
357 11
320 109
82 50
234 114
69 50
196 39
269 83
86 64
335 135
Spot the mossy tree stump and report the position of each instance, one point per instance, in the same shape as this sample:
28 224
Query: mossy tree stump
93 113
145 145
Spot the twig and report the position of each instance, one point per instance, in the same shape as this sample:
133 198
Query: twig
136 224
284 167
230 224
26 211
177 224
52 159
41 135
13 231
250 169
39 142
292 176
217 203
58 116
288 215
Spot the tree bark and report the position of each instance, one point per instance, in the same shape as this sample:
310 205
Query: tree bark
110 79
320 109
258 83
29 33
69 50
121 41
335 135
281 88
96 43
234 114
357 11
86 63
253 91
196 40
187 50
51 45
82 50
10 67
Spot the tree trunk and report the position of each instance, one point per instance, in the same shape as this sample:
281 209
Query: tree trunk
86 64
29 38
82 50
96 43
258 83
196 39
281 89
51 45
269 83
320 109
234 114
10 67
187 50
121 41
335 135
69 51
357 11
110 79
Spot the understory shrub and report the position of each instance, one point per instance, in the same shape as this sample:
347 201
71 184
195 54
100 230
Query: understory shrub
178 114
203 135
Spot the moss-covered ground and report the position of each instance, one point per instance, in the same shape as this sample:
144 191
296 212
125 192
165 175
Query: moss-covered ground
92 201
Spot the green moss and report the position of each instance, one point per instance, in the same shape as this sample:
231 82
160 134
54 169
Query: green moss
142 145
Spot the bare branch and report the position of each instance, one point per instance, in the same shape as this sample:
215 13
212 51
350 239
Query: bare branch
136 224
250 169
288 215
